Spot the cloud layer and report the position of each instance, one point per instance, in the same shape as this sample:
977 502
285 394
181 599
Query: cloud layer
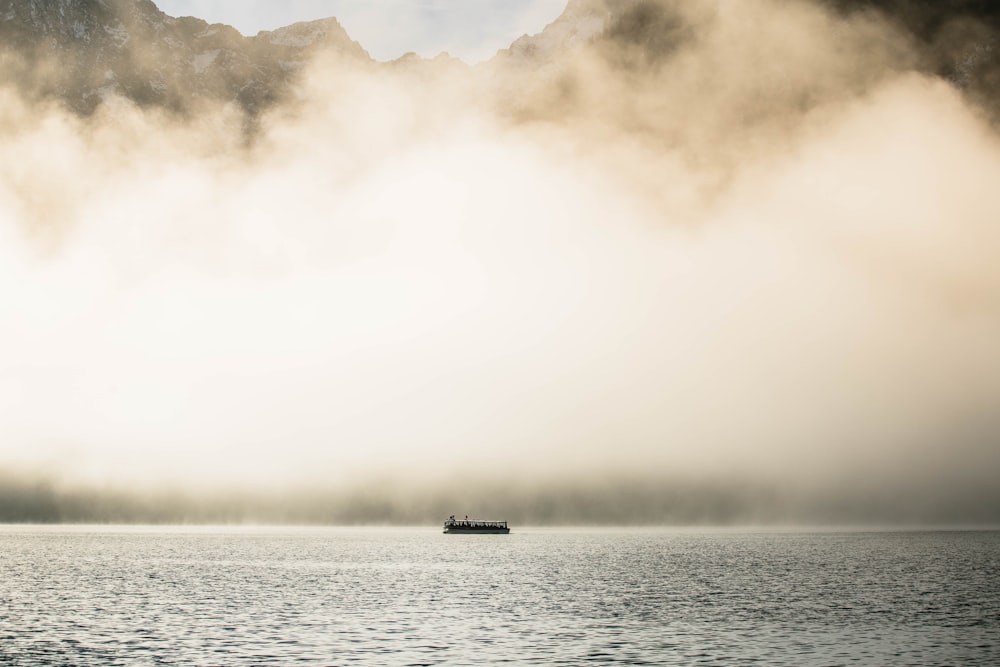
722 264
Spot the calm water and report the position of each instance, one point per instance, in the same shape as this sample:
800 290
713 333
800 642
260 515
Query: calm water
155 596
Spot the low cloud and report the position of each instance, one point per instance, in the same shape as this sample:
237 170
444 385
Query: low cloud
723 264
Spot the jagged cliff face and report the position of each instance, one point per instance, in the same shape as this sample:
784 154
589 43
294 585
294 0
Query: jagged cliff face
84 51
958 40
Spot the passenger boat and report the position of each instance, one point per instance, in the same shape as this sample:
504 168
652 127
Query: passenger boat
469 526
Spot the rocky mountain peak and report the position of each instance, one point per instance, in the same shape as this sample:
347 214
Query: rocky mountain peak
83 51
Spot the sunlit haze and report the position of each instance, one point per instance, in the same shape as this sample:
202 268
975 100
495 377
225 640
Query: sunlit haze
746 269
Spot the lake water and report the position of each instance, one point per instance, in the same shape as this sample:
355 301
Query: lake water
258 596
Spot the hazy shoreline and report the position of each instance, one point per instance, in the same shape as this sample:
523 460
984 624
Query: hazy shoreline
619 502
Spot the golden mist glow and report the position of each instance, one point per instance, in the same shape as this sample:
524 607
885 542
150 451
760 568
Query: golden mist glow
768 252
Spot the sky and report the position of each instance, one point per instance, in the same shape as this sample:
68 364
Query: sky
472 30
687 273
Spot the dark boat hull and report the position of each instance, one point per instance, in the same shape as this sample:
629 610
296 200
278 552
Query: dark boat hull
476 531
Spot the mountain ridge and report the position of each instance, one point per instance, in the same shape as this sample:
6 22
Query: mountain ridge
84 52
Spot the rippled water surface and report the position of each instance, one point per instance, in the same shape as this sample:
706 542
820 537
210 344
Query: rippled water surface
200 596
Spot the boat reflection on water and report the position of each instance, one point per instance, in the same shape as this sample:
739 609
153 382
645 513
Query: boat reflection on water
469 526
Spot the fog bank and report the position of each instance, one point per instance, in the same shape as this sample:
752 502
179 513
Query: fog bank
723 264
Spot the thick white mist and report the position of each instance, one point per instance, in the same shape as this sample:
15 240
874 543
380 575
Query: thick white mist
399 282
